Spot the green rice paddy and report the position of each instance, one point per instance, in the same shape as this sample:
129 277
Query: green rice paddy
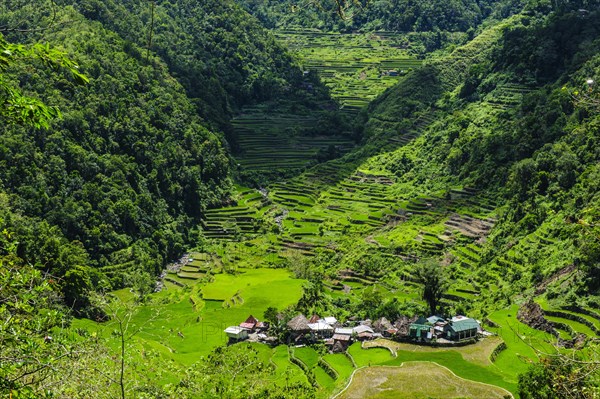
202 331
356 67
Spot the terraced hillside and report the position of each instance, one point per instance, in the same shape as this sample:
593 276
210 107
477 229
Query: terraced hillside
338 201
274 140
357 67
233 221
383 200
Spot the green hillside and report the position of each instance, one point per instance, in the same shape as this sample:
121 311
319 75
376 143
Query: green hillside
311 181
116 184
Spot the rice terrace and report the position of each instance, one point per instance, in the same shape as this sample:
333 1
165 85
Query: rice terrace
293 199
419 380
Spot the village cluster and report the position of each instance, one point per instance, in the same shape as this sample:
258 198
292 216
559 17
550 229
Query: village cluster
337 336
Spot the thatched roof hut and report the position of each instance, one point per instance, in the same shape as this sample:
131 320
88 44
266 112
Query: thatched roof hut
382 325
403 324
340 346
299 324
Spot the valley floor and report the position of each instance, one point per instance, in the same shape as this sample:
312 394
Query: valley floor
180 327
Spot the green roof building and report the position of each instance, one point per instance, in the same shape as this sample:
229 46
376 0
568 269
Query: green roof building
462 329
420 329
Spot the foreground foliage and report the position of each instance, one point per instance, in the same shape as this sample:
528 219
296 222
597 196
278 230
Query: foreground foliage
29 309
562 377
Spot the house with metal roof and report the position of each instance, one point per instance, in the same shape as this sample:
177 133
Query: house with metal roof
320 329
236 333
249 324
464 328
344 331
361 329
362 332
420 329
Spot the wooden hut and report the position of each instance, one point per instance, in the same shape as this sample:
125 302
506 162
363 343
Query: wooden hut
402 325
341 339
382 325
298 327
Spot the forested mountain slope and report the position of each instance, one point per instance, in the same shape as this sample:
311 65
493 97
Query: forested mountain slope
120 179
514 118
387 15
222 57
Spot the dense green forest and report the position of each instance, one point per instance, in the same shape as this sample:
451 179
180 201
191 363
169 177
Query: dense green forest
383 15
133 162
479 169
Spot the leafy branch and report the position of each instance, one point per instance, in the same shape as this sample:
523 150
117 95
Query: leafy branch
15 107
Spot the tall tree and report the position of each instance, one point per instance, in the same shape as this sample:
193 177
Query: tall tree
431 275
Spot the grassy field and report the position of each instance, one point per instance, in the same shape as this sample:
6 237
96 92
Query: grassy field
450 359
416 380
340 363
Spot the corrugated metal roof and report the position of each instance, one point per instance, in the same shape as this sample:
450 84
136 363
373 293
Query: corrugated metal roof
361 329
234 329
435 319
464 325
420 327
320 326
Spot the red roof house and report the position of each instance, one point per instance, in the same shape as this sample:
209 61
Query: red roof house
250 323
